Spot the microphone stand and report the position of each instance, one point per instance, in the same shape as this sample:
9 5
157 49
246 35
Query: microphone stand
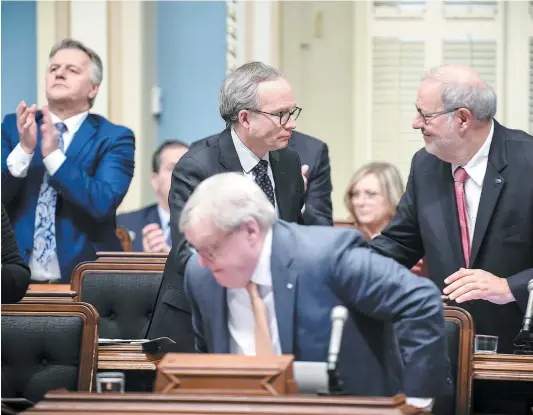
335 385
523 343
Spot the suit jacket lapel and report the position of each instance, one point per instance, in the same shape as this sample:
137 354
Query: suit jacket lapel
493 183
284 284
219 320
449 214
227 154
152 215
87 130
280 183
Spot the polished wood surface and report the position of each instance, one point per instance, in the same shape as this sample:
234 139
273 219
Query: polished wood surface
123 357
49 293
223 374
128 257
144 404
503 367
124 237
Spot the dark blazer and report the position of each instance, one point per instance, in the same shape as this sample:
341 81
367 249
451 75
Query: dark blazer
314 153
426 224
213 155
313 270
91 184
135 222
15 272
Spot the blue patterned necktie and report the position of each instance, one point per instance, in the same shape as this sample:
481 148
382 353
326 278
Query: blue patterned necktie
44 238
261 178
169 236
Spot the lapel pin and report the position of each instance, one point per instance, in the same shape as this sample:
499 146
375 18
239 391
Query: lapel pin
498 180
289 286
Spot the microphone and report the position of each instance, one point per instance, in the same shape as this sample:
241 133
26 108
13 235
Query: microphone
339 315
524 340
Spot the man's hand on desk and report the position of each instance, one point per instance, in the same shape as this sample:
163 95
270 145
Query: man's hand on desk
476 284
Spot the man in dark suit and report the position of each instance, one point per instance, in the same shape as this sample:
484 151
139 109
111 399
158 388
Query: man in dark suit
314 154
65 170
149 227
258 105
261 287
15 273
468 208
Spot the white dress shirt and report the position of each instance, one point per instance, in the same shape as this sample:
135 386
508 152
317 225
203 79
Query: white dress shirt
241 321
18 163
476 169
164 217
249 160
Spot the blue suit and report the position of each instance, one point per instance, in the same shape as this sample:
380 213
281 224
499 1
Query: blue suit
135 222
314 269
90 183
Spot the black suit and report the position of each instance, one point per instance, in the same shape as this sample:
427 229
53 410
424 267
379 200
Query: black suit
135 222
213 155
314 153
15 272
426 224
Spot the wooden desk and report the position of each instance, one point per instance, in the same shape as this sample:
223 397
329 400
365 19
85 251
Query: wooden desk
503 367
75 403
48 293
126 357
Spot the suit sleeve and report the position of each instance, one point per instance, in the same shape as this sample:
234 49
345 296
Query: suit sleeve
382 289
518 285
15 273
199 340
10 183
187 174
318 210
401 238
99 195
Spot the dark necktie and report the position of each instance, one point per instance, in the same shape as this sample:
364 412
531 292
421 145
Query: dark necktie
262 179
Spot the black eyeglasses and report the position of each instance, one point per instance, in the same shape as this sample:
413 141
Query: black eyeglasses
429 115
284 117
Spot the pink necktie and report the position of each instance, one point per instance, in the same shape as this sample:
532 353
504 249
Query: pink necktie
460 175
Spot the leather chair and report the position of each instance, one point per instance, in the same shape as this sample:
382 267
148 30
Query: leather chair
124 295
48 346
460 336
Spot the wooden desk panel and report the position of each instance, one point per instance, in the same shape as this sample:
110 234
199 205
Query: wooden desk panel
49 293
126 357
127 403
503 367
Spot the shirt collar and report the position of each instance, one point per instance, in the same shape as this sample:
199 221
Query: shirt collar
477 165
73 123
246 156
262 275
164 216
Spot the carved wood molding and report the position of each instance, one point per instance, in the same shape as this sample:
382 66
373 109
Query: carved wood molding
126 357
503 367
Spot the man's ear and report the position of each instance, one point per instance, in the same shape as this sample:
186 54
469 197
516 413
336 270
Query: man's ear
244 118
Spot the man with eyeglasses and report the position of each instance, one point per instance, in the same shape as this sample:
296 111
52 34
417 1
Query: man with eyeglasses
258 105
468 208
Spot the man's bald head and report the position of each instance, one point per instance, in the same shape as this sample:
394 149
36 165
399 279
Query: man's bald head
462 87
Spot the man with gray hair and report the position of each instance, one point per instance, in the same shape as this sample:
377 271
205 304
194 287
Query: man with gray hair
258 105
468 205
264 287
65 170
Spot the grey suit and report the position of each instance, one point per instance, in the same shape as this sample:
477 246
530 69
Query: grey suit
314 269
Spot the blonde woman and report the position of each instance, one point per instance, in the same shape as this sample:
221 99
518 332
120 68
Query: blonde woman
372 196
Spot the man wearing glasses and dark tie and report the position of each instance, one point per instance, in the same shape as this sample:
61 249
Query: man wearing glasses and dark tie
258 105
